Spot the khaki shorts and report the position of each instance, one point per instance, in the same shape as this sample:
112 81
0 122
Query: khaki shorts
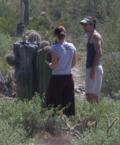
94 86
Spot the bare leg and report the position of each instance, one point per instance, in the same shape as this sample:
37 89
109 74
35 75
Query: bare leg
92 98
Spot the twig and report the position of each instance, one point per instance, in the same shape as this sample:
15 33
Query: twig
71 129
110 125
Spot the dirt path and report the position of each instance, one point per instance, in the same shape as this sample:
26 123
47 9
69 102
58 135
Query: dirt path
79 77
47 139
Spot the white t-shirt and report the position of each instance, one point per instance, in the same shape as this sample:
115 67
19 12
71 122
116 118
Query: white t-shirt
65 52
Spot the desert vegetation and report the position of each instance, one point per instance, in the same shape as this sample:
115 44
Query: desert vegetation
20 121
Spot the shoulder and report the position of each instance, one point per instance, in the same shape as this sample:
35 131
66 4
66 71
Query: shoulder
97 36
55 48
70 45
55 45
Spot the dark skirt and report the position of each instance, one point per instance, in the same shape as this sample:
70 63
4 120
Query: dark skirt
61 93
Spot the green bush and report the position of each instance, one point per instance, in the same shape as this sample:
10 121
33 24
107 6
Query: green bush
9 134
5 44
112 74
107 130
8 25
19 121
111 53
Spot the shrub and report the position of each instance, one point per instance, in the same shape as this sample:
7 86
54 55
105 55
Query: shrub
5 44
11 135
112 74
107 129
111 53
20 120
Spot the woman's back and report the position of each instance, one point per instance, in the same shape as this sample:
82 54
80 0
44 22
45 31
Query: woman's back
65 52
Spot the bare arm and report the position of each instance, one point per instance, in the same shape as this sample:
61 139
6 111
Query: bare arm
54 62
74 59
98 49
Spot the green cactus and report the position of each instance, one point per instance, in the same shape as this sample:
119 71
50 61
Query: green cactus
43 71
24 89
44 43
24 55
31 70
10 58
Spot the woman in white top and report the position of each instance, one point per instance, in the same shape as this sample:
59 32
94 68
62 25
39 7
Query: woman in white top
61 87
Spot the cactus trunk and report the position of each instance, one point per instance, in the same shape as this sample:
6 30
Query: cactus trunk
43 72
24 89
31 71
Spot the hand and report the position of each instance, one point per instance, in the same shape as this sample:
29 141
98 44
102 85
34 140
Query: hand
49 64
92 74
46 62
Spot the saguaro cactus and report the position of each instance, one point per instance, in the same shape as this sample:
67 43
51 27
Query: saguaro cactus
43 71
31 70
10 58
24 56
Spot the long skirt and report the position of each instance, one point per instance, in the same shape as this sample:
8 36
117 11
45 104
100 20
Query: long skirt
61 93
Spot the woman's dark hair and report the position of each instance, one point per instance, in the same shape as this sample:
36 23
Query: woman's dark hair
60 32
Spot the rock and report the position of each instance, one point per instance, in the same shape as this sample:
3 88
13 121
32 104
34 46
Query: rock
80 89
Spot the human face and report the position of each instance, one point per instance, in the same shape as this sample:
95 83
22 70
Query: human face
60 38
88 27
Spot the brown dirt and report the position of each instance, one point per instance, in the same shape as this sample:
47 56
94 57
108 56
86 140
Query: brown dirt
47 139
4 98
